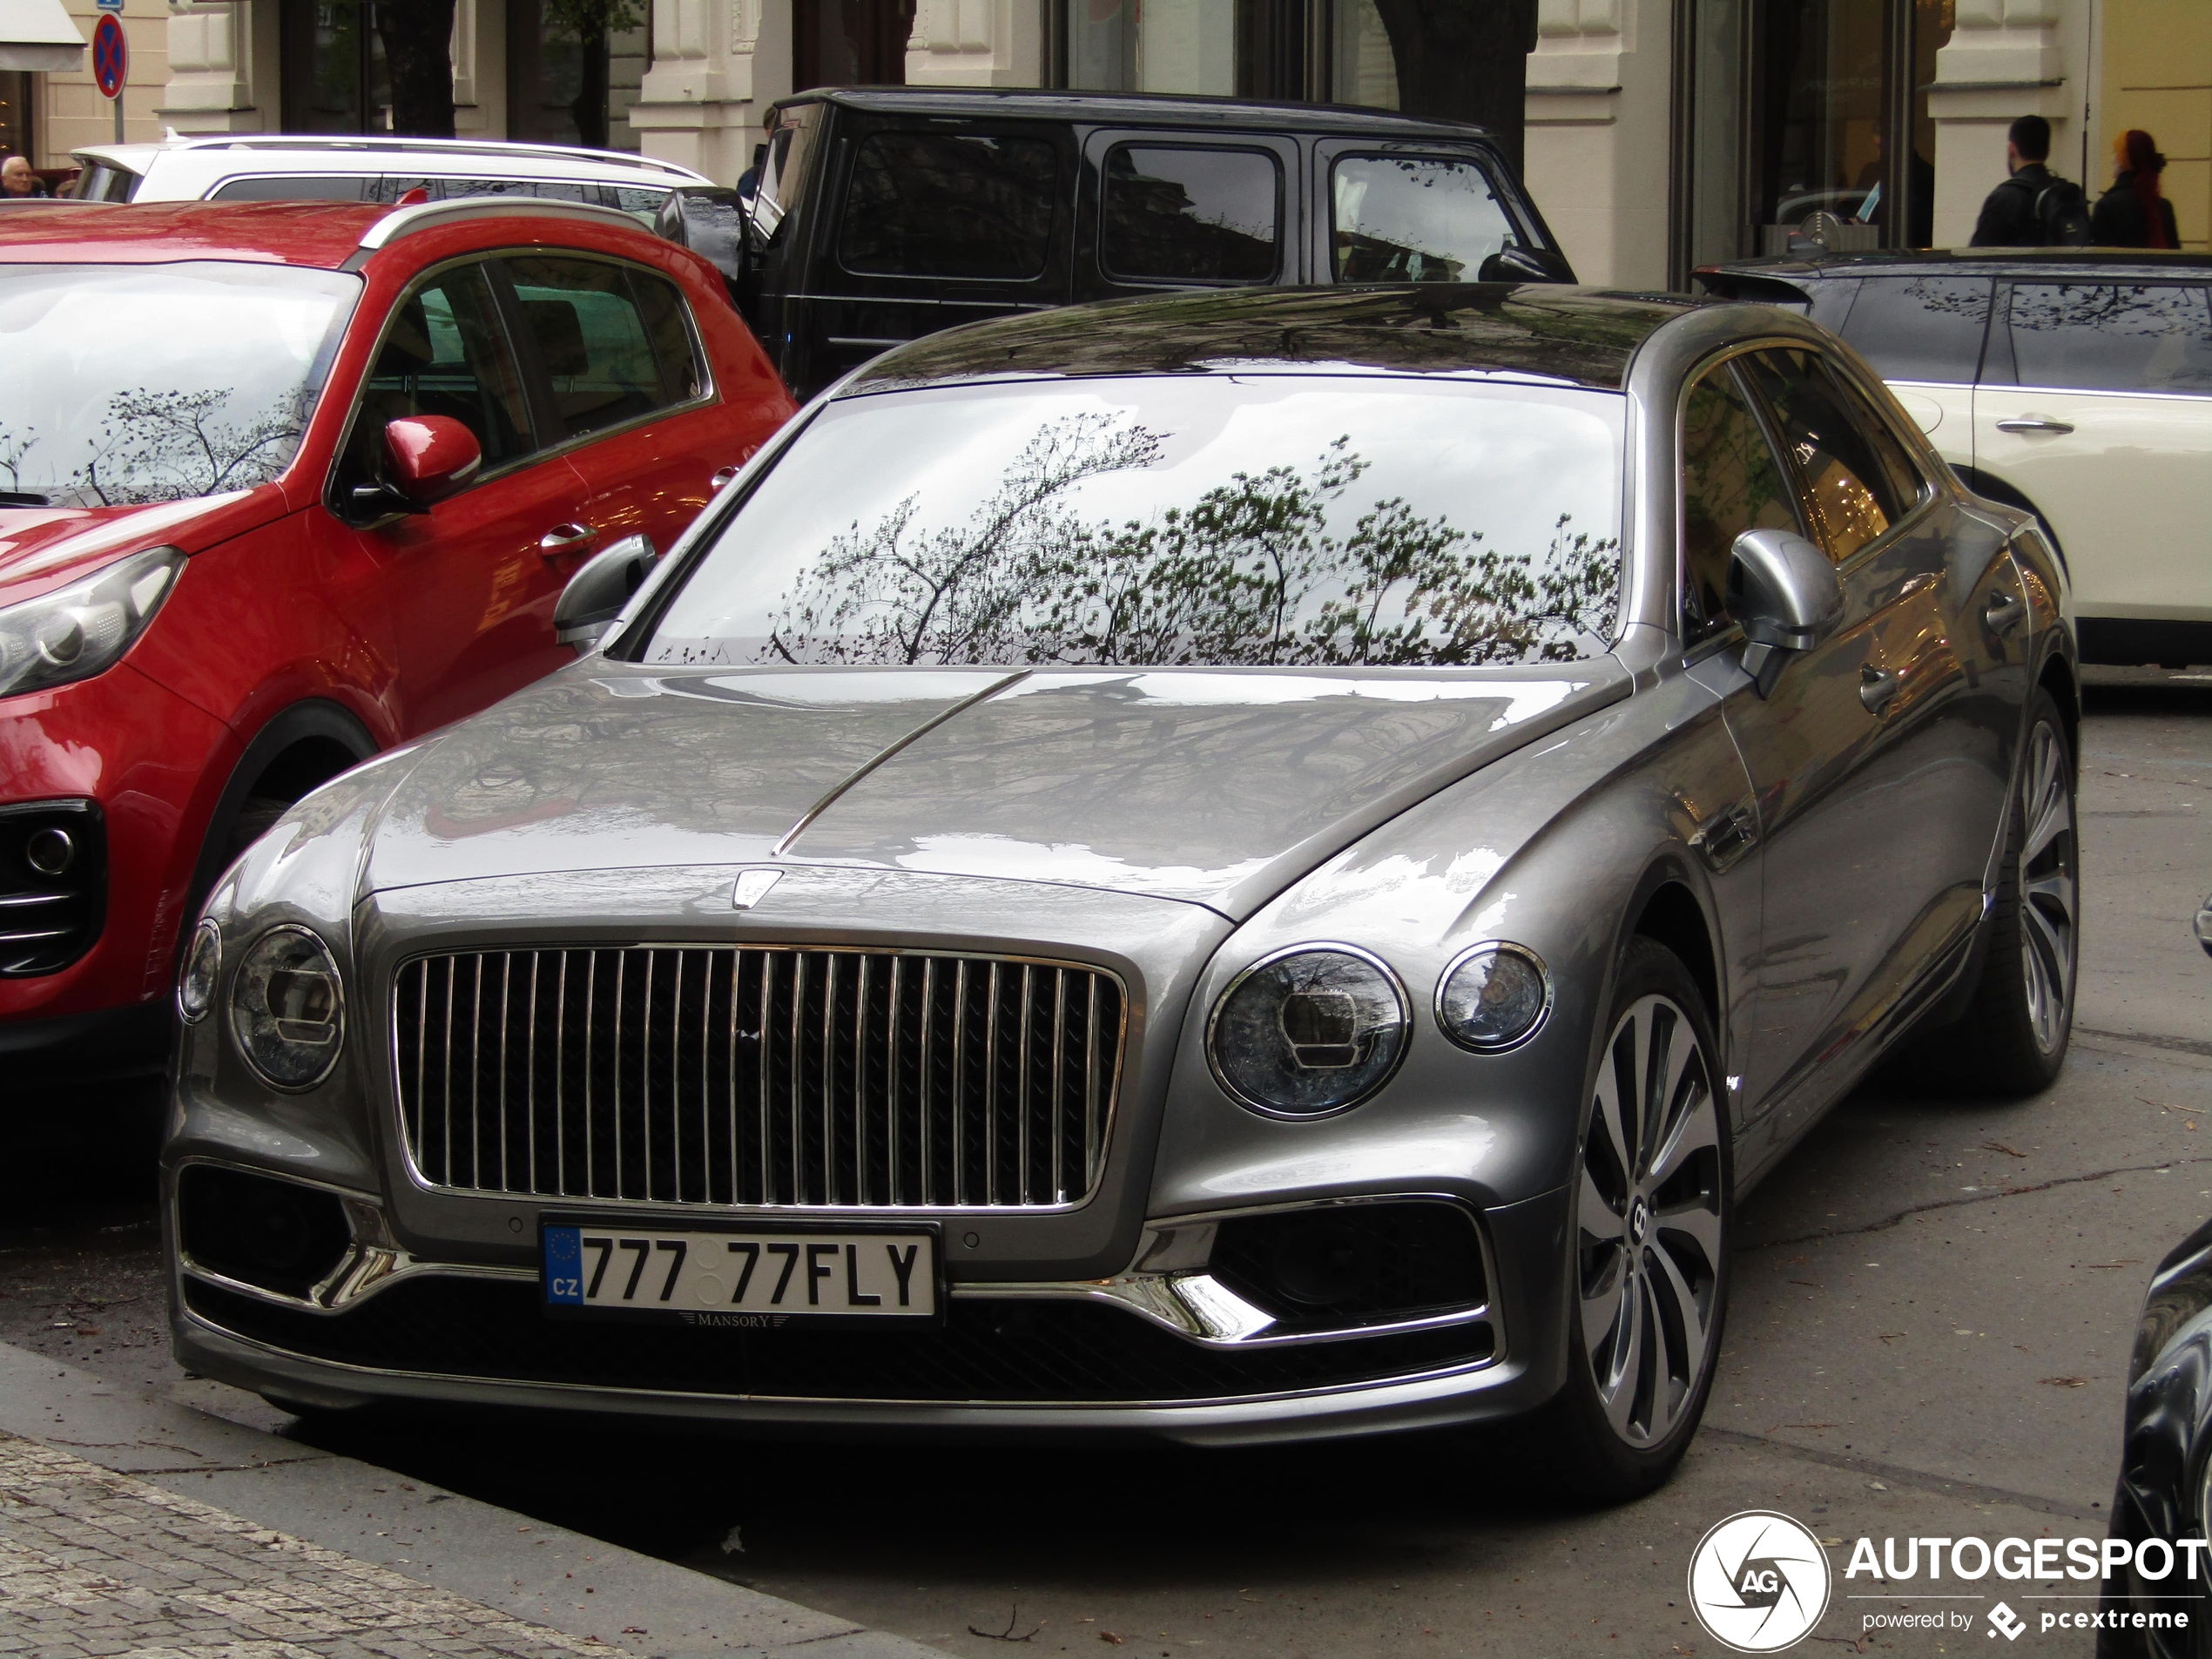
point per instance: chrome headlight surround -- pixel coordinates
(196, 979)
(288, 1008)
(78, 631)
(1462, 999)
(1353, 1001)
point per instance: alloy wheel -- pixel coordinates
(1649, 1215)
(2047, 889)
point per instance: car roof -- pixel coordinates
(1970, 261)
(1134, 109)
(1540, 331)
(207, 160)
(324, 235)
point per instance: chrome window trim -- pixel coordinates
(396, 1123)
(2093, 391)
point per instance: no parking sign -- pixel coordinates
(111, 62)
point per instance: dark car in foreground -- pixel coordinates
(885, 213)
(282, 484)
(2075, 383)
(1213, 868)
(2165, 1490)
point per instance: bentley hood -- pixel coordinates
(1211, 786)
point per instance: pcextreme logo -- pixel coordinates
(1758, 1581)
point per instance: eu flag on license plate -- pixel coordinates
(564, 1265)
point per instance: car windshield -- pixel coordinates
(1216, 519)
(123, 384)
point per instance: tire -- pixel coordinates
(255, 814)
(1647, 1267)
(2013, 1038)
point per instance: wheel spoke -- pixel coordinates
(1621, 1368)
(1698, 1223)
(1601, 1308)
(1596, 1213)
(1669, 1284)
(1669, 1104)
(1695, 1131)
(1606, 1114)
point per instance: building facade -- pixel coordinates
(1660, 133)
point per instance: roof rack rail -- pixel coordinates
(371, 142)
(426, 216)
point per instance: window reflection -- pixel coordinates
(1849, 498)
(1415, 219)
(1292, 520)
(1731, 482)
(2111, 337)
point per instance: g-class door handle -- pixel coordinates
(722, 477)
(2004, 611)
(1876, 687)
(2034, 423)
(565, 538)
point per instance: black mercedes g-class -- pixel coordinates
(876, 215)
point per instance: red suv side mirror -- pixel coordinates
(429, 457)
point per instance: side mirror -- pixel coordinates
(710, 221)
(428, 457)
(1784, 592)
(601, 587)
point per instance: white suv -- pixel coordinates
(375, 168)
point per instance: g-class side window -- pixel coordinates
(1185, 214)
(1413, 219)
(949, 204)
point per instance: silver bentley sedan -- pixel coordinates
(1237, 868)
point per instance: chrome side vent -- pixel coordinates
(758, 1076)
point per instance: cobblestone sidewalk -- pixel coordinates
(94, 1563)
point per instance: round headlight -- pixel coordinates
(196, 985)
(288, 1012)
(1493, 997)
(1308, 1032)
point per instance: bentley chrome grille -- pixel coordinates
(726, 1075)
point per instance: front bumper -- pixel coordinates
(1032, 1358)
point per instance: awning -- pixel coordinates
(37, 34)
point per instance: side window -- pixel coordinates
(1732, 481)
(600, 342)
(1413, 219)
(298, 187)
(1921, 328)
(444, 353)
(446, 190)
(1907, 482)
(1848, 497)
(949, 204)
(1191, 215)
(2111, 337)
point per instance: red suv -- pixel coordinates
(282, 484)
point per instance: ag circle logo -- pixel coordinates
(1758, 1581)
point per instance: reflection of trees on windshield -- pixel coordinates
(156, 446)
(1248, 574)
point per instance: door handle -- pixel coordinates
(722, 477)
(1876, 687)
(566, 538)
(2034, 423)
(2004, 611)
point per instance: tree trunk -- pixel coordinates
(590, 110)
(418, 55)
(1464, 60)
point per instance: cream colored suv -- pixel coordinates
(2074, 382)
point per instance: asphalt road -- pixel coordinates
(1933, 1307)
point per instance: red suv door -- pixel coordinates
(629, 389)
(472, 582)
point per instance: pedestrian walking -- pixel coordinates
(2134, 213)
(16, 178)
(2035, 207)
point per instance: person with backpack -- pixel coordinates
(2134, 212)
(2035, 207)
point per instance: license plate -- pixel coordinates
(739, 1279)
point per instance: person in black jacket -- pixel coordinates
(2134, 212)
(2035, 207)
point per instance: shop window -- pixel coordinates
(2111, 337)
(1921, 329)
(1363, 69)
(850, 42)
(15, 113)
(1190, 215)
(1413, 219)
(334, 76)
(564, 87)
(949, 204)
(596, 344)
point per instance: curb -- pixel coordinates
(526, 1570)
